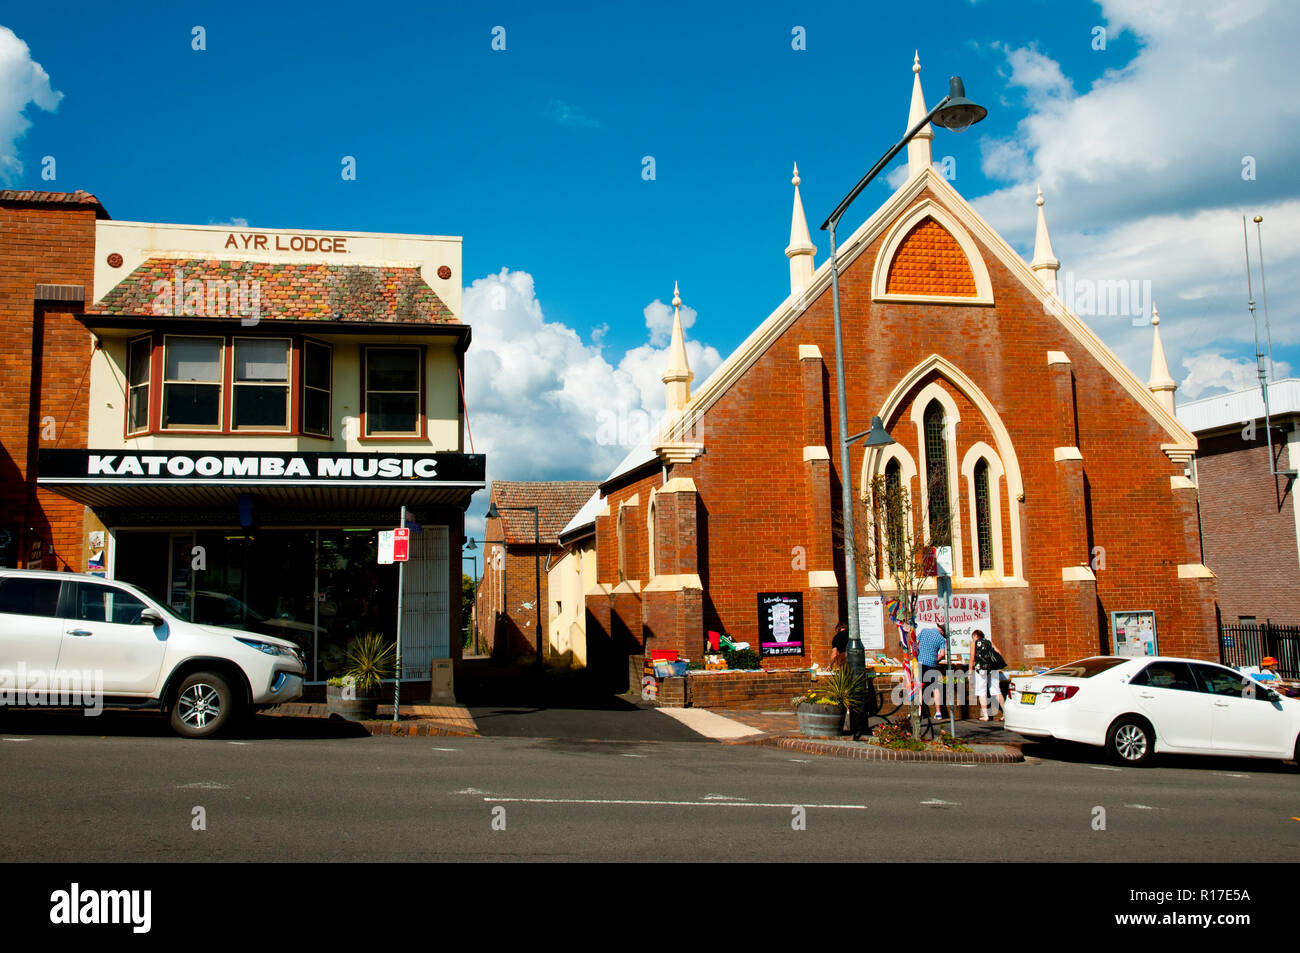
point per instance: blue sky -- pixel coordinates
(535, 154)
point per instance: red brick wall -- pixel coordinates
(1248, 522)
(754, 485)
(747, 691)
(44, 360)
(506, 627)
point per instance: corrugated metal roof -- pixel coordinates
(1227, 410)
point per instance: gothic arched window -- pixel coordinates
(983, 519)
(936, 475)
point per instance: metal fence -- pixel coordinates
(1247, 644)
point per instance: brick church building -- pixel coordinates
(1067, 478)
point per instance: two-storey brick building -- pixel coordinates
(237, 413)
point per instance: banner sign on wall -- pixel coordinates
(966, 613)
(780, 623)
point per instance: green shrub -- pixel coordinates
(741, 658)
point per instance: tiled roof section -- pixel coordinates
(33, 197)
(930, 262)
(556, 504)
(287, 290)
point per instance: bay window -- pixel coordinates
(192, 381)
(317, 374)
(138, 359)
(394, 395)
(261, 384)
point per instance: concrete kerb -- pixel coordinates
(999, 754)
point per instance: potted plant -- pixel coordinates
(354, 693)
(821, 710)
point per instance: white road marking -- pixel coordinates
(1099, 767)
(723, 797)
(710, 724)
(935, 802)
(633, 755)
(238, 742)
(211, 785)
(446, 749)
(470, 791)
(800, 760)
(1142, 807)
(1222, 775)
(18, 739)
(570, 800)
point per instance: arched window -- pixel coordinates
(622, 545)
(983, 521)
(650, 534)
(936, 475)
(895, 537)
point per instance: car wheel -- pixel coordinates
(1131, 741)
(204, 705)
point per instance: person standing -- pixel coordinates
(988, 678)
(839, 647)
(930, 651)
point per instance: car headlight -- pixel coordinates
(269, 648)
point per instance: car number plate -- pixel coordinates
(1028, 698)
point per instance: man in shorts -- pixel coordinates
(930, 651)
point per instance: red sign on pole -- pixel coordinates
(401, 545)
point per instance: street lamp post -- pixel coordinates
(494, 512)
(472, 546)
(954, 112)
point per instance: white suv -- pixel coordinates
(119, 647)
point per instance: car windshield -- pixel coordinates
(1085, 668)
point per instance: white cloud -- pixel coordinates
(659, 319)
(1143, 173)
(22, 81)
(544, 405)
(1210, 372)
(233, 223)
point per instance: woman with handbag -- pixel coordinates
(985, 664)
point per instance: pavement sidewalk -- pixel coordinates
(418, 720)
(991, 742)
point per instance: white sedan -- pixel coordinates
(1137, 707)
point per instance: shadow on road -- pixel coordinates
(1070, 753)
(147, 724)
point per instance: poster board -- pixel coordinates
(966, 613)
(1133, 632)
(780, 624)
(871, 623)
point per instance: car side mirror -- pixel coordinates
(1271, 696)
(151, 616)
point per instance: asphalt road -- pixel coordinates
(123, 789)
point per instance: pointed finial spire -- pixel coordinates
(677, 375)
(918, 150)
(801, 250)
(1161, 384)
(1045, 264)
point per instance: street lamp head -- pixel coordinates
(960, 113)
(879, 436)
(471, 545)
(492, 513)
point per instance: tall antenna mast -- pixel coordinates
(1259, 355)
